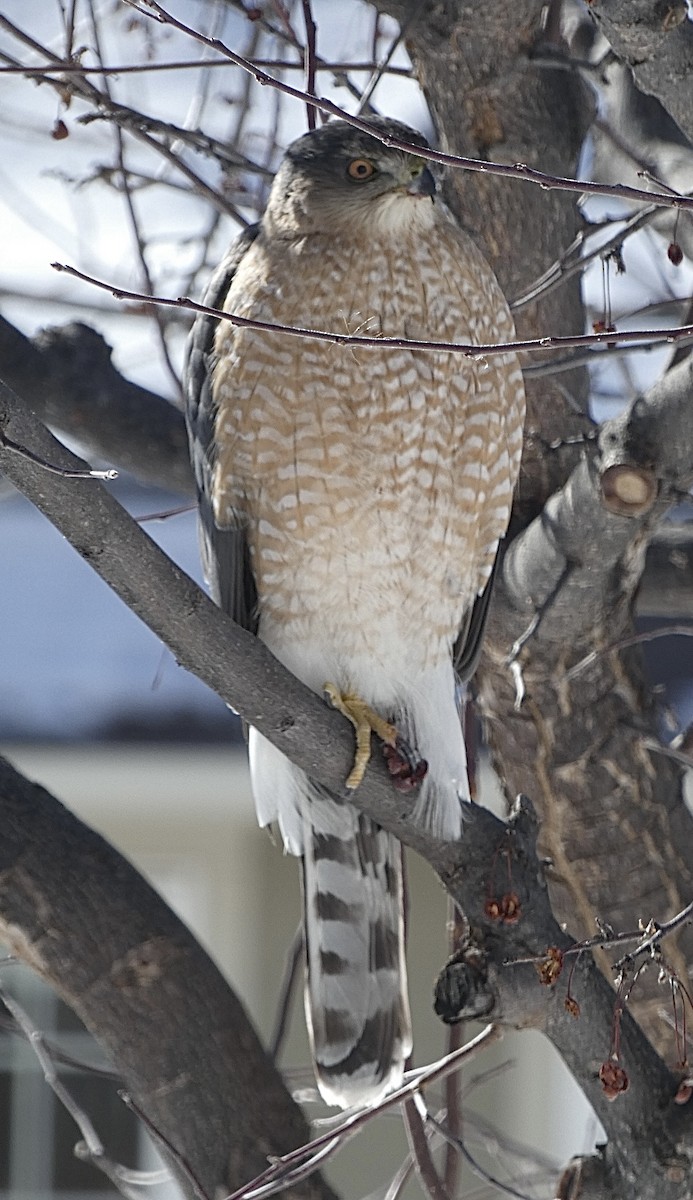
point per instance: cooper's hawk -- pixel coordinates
(351, 504)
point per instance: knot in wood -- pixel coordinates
(627, 490)
(462, 991)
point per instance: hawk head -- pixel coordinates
(339, 179)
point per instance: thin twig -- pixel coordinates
(75, 68)
(513, 171)
(475, 1166)
(453, 1115)
(273, 1178)
(668, 752)
(164, 514)
(289, 978)
(135, 229)
(384, 62)
(573, 263)
(309, 59)
(647, 939)
(91, 1148)
(658, 933)
(14, 448)
(400, 1179)
(468, 349)
(584, 358)
(429, 1179)
(9, 1025)
(158, 1137)
(635, 639)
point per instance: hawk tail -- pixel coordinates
(356, 1000)
(356, 982)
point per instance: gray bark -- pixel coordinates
(75, 388)
(649, 1135)
(81, 917)
(655, 39)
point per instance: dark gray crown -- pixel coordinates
(338, 140)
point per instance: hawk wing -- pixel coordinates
(467, 648)
(224, 552)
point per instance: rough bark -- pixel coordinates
(655, 38)
(81, 917)
(75, 388)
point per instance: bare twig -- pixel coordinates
(453, 1115)
(476, 1167)
(430, 1181)
(91, 1148)
(512, 171)
(309, 58)
(293, 959)
(635, 639)
(384, 62)
(667, 752)
(572, 262)
(59, 1056)
(75, 68)
(312, 1155)
(655, 937)
(136, 231)
(158, 1137)
(7, 444)
(400, 1179)
(647, 940)
(528, 346)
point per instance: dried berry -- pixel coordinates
(572, 1006)
(510, 908)
(613, 1078)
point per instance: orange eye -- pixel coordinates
(360, 169)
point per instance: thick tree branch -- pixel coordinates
(578, 558)
(656, 41)
(79, 915)
(613, 821)
(75, 388)
(320, 741)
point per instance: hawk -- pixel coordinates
(351, 504)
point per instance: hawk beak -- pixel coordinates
(422, 185)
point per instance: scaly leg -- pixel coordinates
(365, 722)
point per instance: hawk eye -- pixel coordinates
(360, 169)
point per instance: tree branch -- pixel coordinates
(75, 388)
(80, 916)
(319, 740)
(577, 544)
(656, 41)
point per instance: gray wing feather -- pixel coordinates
(224, 552)
(467, 648)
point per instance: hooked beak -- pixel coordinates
(422, 185)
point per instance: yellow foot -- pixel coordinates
(365, 722)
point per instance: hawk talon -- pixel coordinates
(365, 721)
(405, 767)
